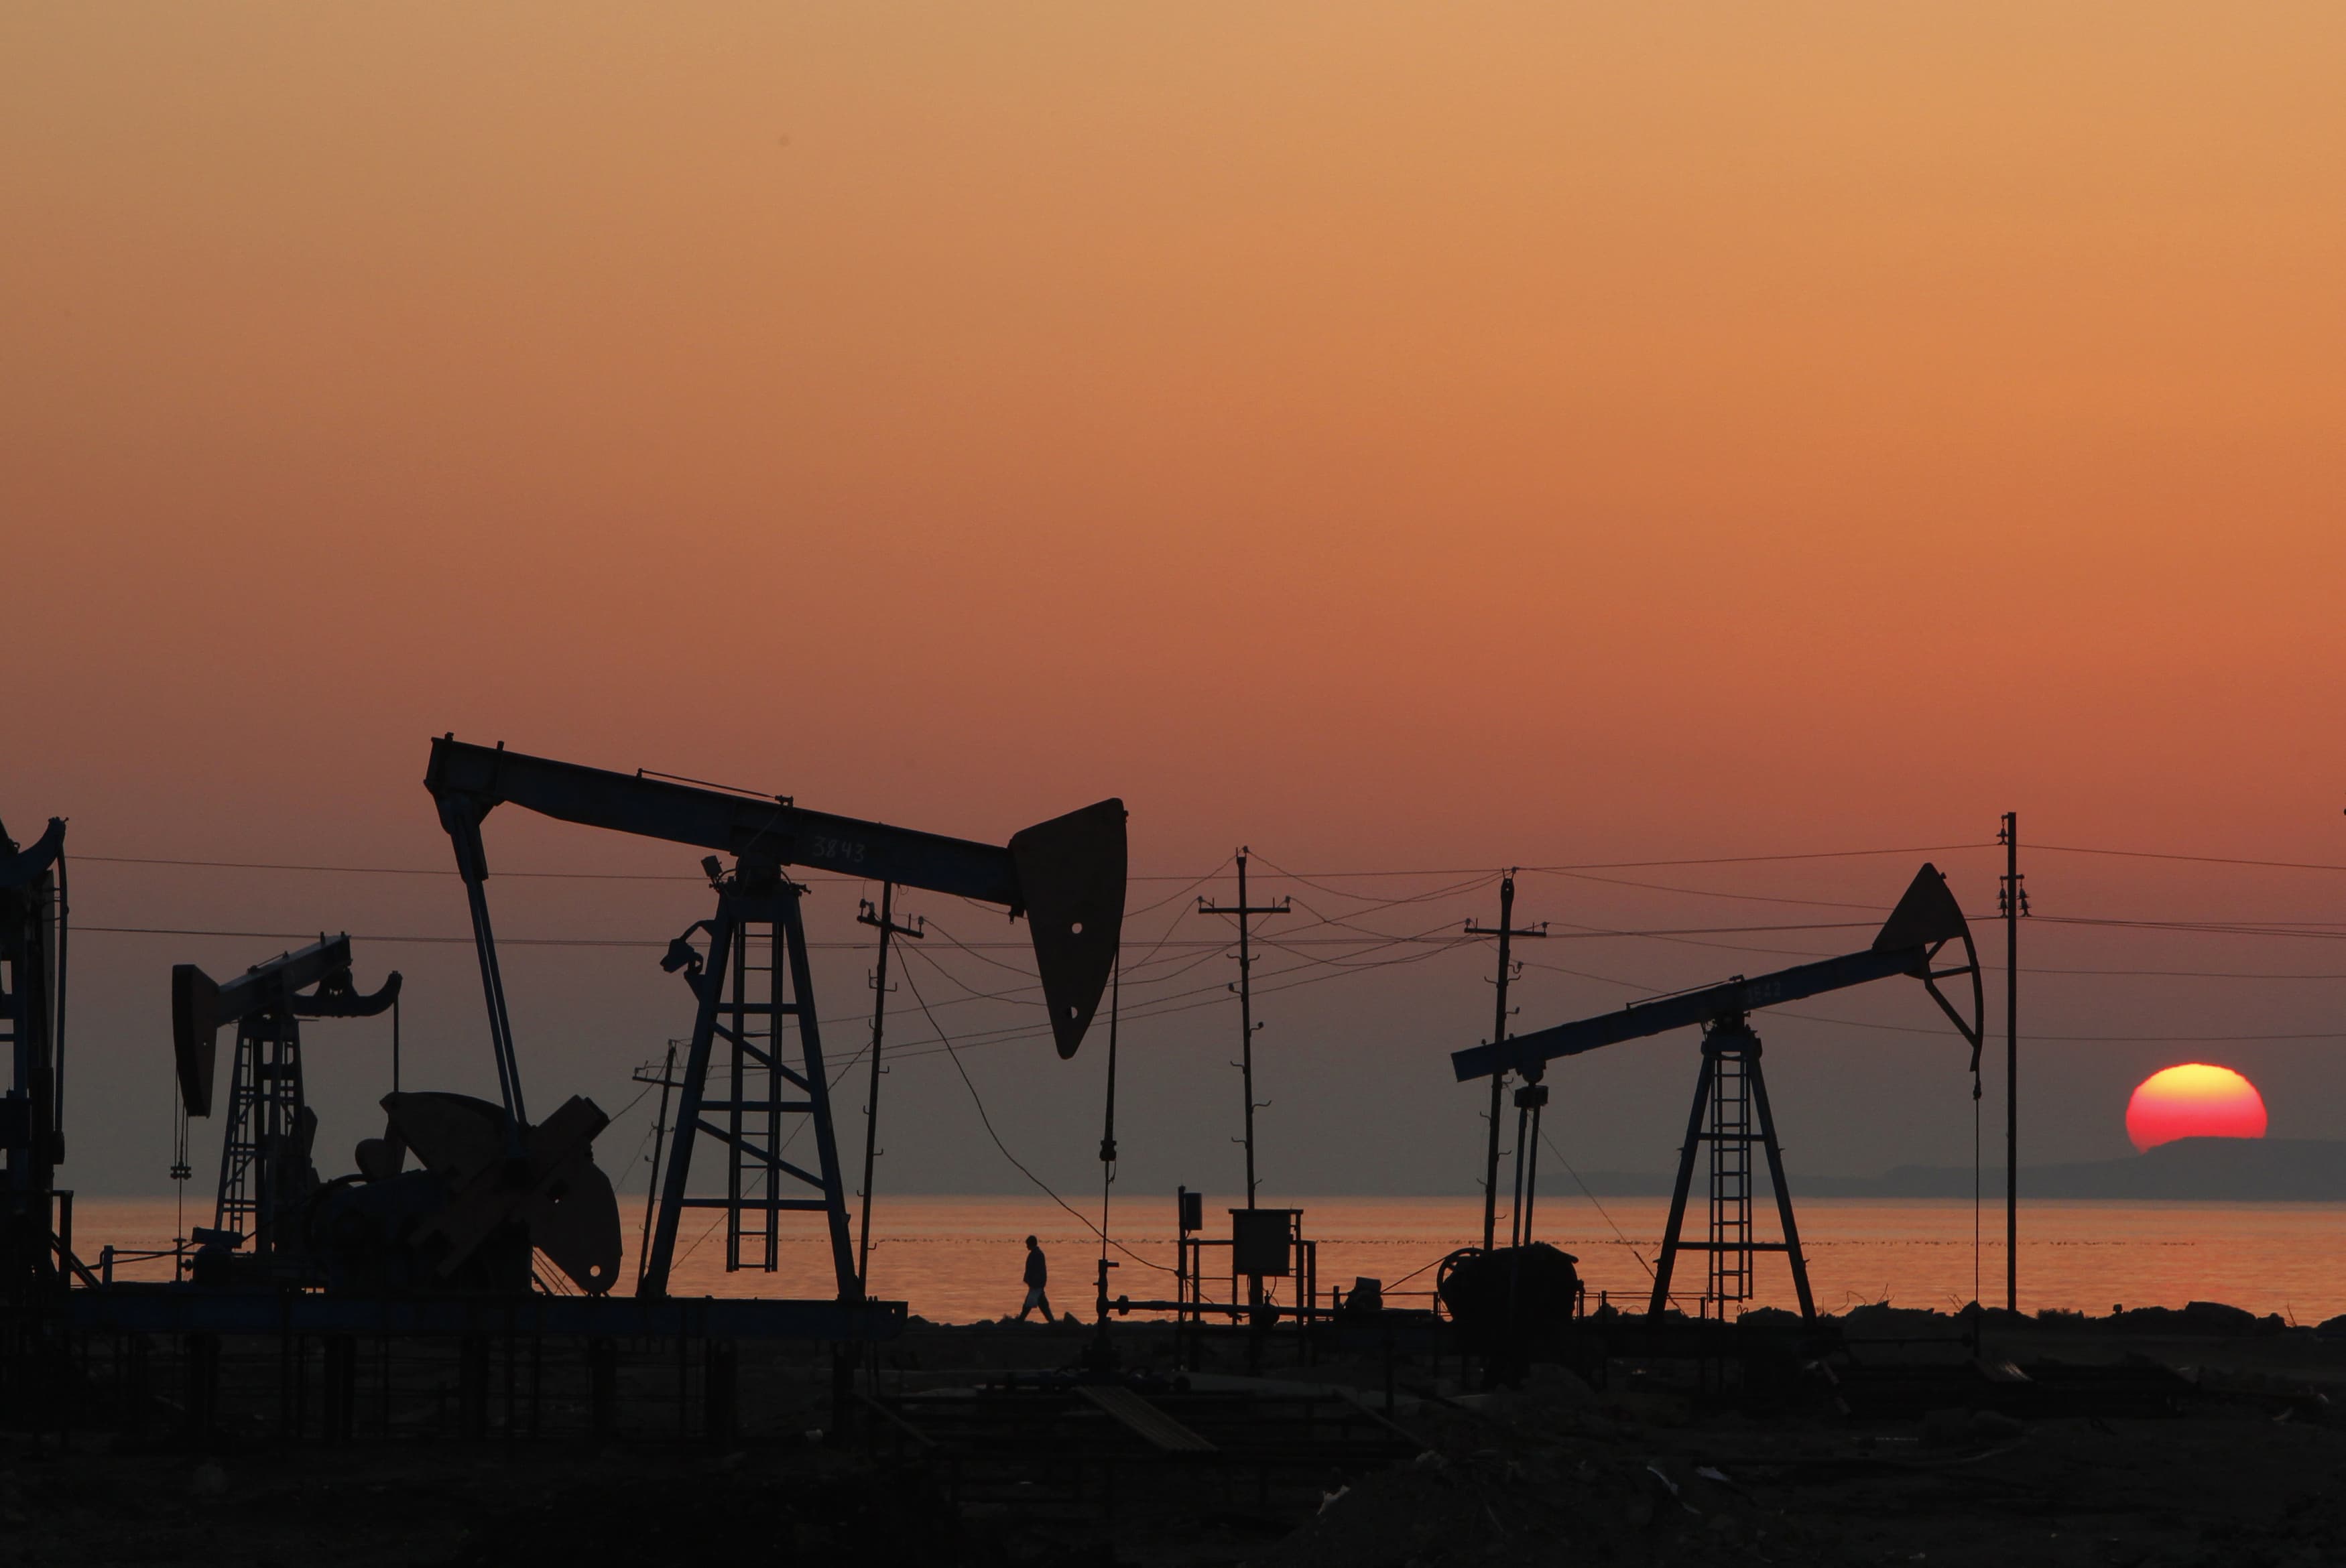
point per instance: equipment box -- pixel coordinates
(1262, 1241)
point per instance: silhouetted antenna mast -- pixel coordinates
(1245, 912)
(885, 919)
(2012, 902)
(1505, 931)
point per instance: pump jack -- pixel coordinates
(1065, 875)
(32, 997)
(1729, 1088)
(265, 1158)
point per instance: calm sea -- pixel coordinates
(958, 1259)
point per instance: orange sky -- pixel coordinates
(1400, 436)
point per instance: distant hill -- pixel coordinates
(2248, 1170)
(2239, 1170)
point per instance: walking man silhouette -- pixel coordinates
(1038, 1273)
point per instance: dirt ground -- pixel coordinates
(1645, 1469)
(1551, 1475)
(416, 1504)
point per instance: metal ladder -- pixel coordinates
(765, 1087)
(264, 1109)
(1730, 1182)
(1728, 1113)
(753, 1111)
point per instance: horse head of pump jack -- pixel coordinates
(1927, 919)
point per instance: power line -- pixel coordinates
(2072, 1039)
(1012, 1033)
(2324, 974)
(1620, 1234)
(1563, 868)
(1751, 860)
(210, 864)
(1365, 942)
(2193, 973)
(2197, 859)
(588, 941)
(384, 936)
(1931, 1030)
(1473, 879)
(1599, 931)
(1430, 945)
(394, 871)
(2327, 931)
(1711, 893)
(1366, 938)
(1207, 946)
(1178, 893)
(1205, 949)
(979, 1101)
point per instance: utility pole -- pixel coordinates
(885, 921)
(1103, 1357)
(1506, 932)
(1245, 912)
(1108, 1120)
(667, 1080)
(2012, 902)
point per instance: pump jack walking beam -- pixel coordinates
(1065, 875)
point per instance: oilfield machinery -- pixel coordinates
(1502, 1294)
(496, 1190)
(451, 1244)
(445, 1226)
(268, 1174)
(1065, 876)
(32, 934)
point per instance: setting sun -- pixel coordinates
(2194, 1100)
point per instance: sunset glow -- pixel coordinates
(2194, 1100)
(1397, 441)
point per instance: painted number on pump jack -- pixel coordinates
(835, 851)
